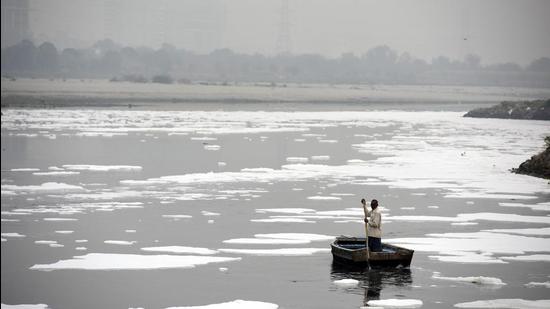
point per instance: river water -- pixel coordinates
(236, 206)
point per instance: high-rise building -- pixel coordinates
(15, 21)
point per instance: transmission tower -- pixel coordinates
(284, 45)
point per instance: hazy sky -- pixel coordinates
(497, 30)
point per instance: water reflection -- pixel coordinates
(372, 281)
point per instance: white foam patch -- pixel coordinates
(282, 220)
(101, 168)
(481, 280)
(209, 213)
(176, 217)
(212, 147)
(324, 198)
(266, 241)
(25, 169)
(285, 210)
(64, 232)
(203, 138)
(277, 252)
(501, 217)
(60, 219)
(506, 303)
(529, 258)
(181, 249)
(296, 236)
(45, 242)
(395, 303)
(545, 206)
(54, 173)
(236, 304)
(47, 187)
(544, 231)
(479, 247)
(105, 195)
(538, 284)
(13, 235)
(297, 160)
(346, 283)
(320, 158)
(25, 306)
(120, 242)
(100, 134)
(112, 261)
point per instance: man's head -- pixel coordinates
(363, 201)
(374, 204)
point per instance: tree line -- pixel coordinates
(379, 65)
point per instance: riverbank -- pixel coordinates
(530, 110)
(43, 93)
(538, 165)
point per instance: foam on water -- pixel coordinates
(396, 303)
(296, 236)
(25, 169)
(285, 210)
(120, 242)
(181, 249)
(54, 173)
(529, 258)
(282, 220)
(478, 247)
(266, 241)
(324, 198)
(544, 206)
(113, 261)
(101, 168)
(297, 160)
(544, 231)
(346, 283)
(277, 252)
(481, 280)
(538, 284)
(25, 306)
(469, 163)
(467, 217)
(13, 235)
(47, 187)
(513, 303)
(236, 304)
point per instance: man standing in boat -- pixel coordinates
(374, 223)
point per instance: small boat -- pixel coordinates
(352, 251)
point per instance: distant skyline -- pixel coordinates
(496, 30)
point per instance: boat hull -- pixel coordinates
(352, 251)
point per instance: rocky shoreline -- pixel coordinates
(538, 165)
(532, 110)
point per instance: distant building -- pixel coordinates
(15, 21)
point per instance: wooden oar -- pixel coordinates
(366, 230)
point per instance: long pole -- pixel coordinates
(366, 231)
